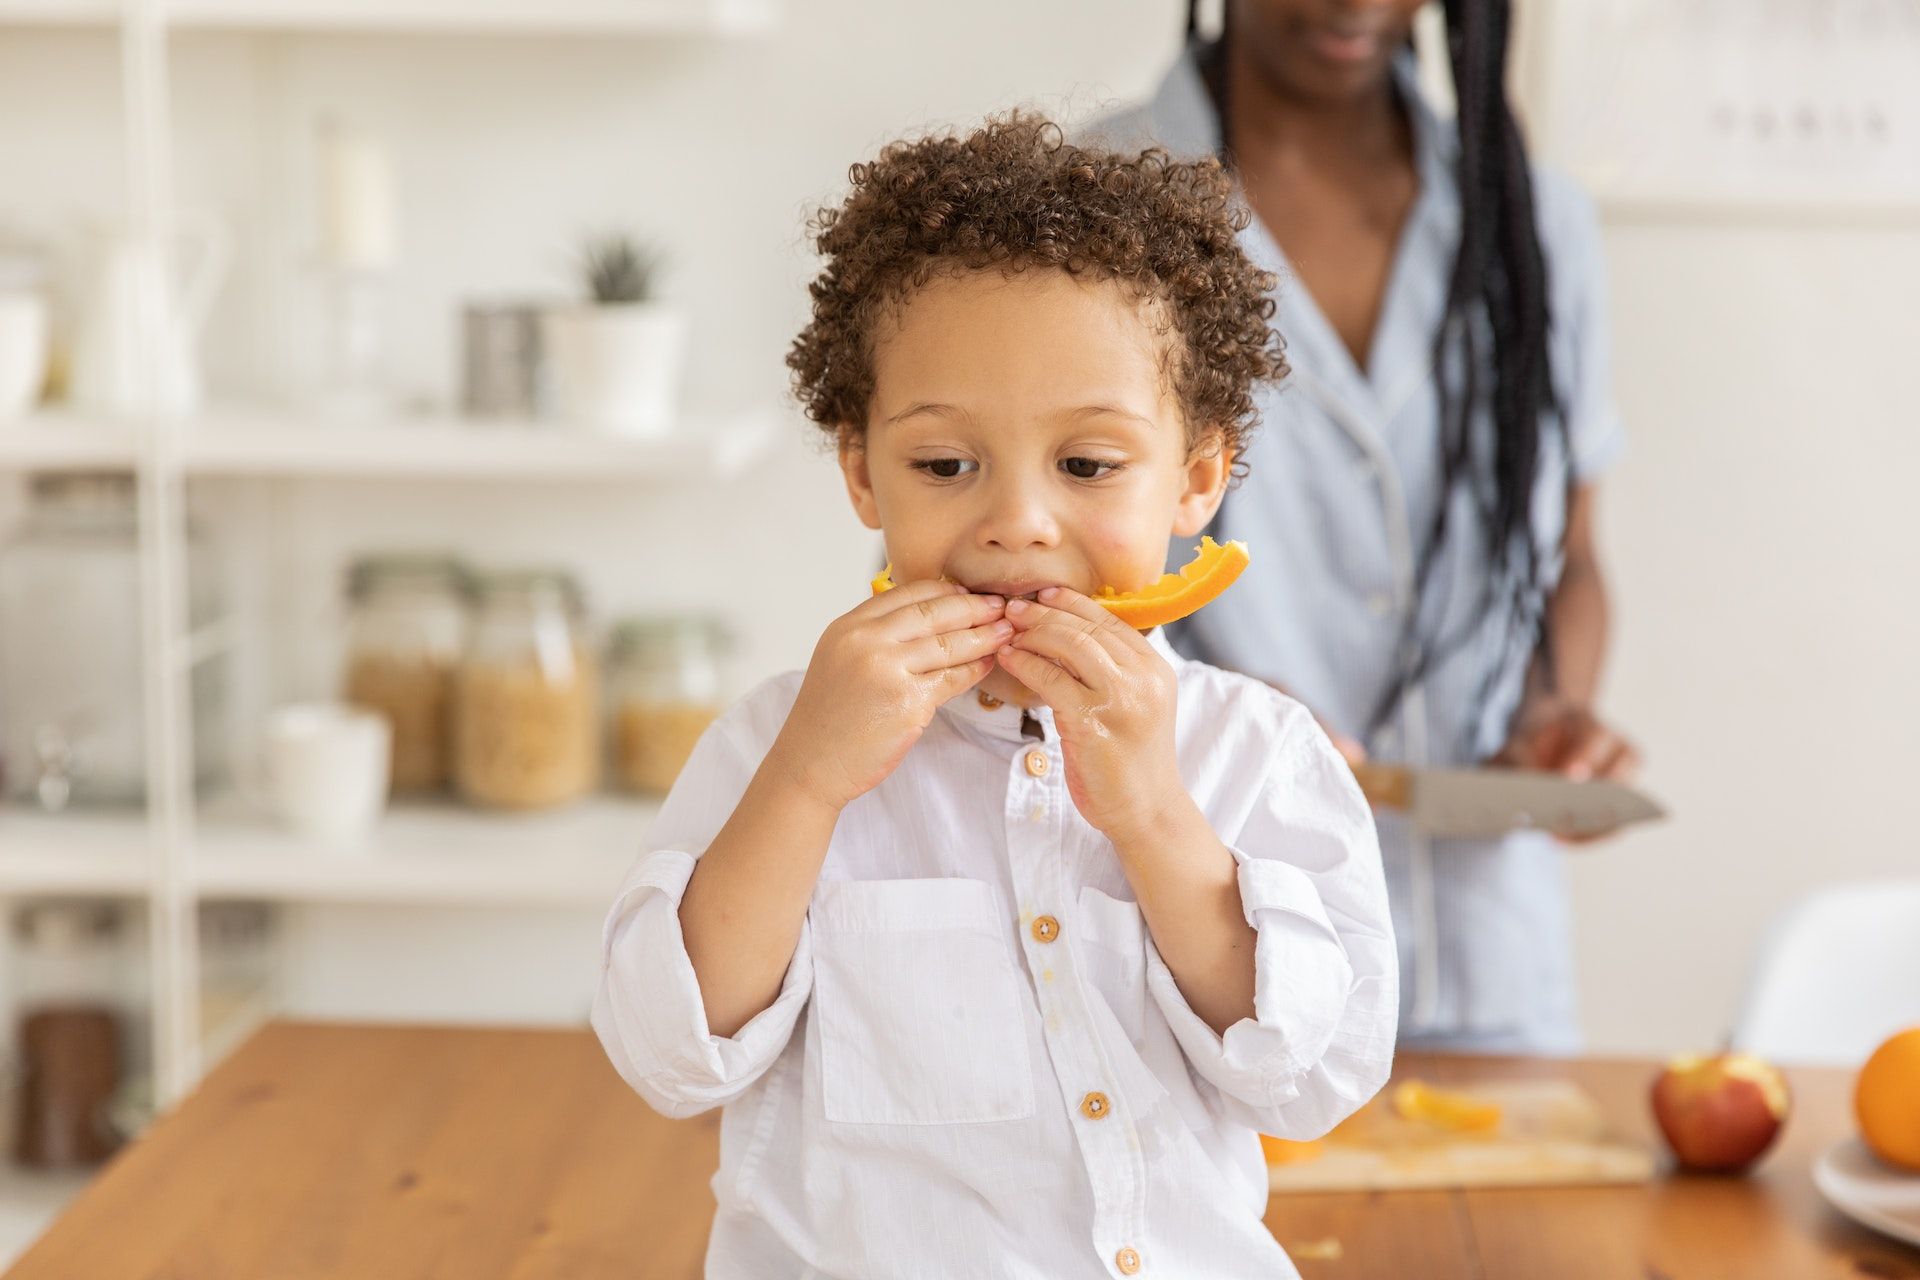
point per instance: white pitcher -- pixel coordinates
(131, 298)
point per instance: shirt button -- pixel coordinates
(1128, 1261)
(1037, 763)
(1095, 1106)
(988, 701)
(1380, 604)
(1046, 929)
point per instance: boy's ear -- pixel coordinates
(1208, 468)
(853, 468)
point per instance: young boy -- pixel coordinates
(1001, 930)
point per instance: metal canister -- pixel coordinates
(501, 361)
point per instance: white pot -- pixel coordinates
(23, 352)
(615, 367)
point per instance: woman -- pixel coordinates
(1422, 516)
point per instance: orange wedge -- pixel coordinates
(1212, 570)
(1417, 1100)
(1285, 1151)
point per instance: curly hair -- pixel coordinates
(1014, 195)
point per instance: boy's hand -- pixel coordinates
(876, 677)
(1113, 703)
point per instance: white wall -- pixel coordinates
(1760, 544)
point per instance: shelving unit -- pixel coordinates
(180, 850)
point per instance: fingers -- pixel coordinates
(1349, 748)
(1056, 687)
(949, 682)
(905, 596)
(944, 649)
(938, 612)
(1073, 646)
(1103, 625)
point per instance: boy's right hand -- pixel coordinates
(877, 676)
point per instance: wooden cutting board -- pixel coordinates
(1550, 1133)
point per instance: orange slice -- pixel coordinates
(1417, 1100)
(1212, 570)
(1286, 1151)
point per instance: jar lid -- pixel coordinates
(416, 568)
(643, 634)
(529, 582)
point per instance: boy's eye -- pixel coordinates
(943, 468)
(1088, 468)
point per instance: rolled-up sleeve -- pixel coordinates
(1326, 974)
(647, 1009)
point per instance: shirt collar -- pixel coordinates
(1002, 719)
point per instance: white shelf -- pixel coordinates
(440, 854)
(238, 441)
(267, 442)
(102, 853)
(57, 440)
(525, 17)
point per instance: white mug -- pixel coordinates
(23, 352)
(325, 768)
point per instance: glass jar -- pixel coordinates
(664, 679)
(526, 725)
(406, 632)
(68, 984)
(72, 699)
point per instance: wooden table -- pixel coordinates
(393, 1152)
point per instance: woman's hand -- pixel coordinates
(876, 677)
(1561, 736)
(1113, 700)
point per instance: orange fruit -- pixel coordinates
(1417, 1100)
(1285, 1151)
(1886, 1100)
(1212, 570)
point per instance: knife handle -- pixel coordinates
(1386, 786)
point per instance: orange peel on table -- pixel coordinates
(1418, 1100)
(1199, 582)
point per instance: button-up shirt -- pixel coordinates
(978, 1064)
(1342, 486)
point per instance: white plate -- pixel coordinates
(1872, 1193)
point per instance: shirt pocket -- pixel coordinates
(918, 1004)
(1115, 956)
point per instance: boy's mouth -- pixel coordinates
(1028, 590)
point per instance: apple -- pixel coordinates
(1719, 1112)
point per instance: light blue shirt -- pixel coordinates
(1344, 475)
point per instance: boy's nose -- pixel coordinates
(1018, 518)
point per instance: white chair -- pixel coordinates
(1838, 973)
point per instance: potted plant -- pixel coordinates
(614, 363)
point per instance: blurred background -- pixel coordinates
(356, 351)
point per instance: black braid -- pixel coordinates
(1496, 307)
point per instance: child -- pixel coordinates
(1001, 930)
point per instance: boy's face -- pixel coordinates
(1023, 434)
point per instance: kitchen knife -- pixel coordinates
(1492, 802)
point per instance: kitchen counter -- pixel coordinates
(350, 1150)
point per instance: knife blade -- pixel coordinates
(1492, 802)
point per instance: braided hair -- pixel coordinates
(1495, 317)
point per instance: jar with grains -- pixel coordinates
(526, 704)
(665, 683)
(406, 633)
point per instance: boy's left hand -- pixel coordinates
(1113, 702)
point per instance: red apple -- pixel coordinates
(1719, 1113)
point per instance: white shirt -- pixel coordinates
(978, 1064)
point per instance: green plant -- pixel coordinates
(618, 268)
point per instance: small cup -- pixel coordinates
(325, 768)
